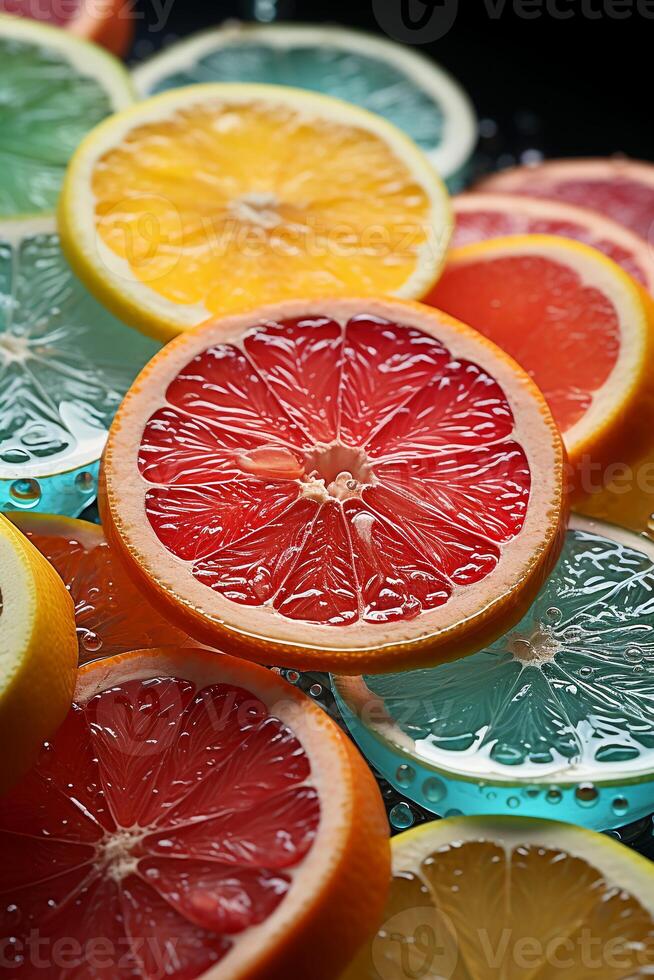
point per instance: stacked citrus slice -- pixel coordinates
(379, 75)
(38, 652)
(217, 198)
(510, 898)
(54, 89)
(619, 188)
(352, 484)
(110, 24)
(555, 719)
(579, 325)
(110, 614)
(193, 813)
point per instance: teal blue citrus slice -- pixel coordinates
(556, 719)
(379, 75)
(65, 364)
(54, 88)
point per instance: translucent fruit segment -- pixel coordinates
(554, 348)
(146, 828)
(335, 473)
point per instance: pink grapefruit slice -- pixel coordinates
(621, 189)
(107, 22)
(481, 216)
(193, 816)
(349, 485)
(111, 615)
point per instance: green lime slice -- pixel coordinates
(54, 88)
(379, 75)
(555, 719)
(65, 364)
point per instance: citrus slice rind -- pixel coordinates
(371, 216)
(111, 616)
(575, 301)
(552, 720)
(55, 87)
(622, 189)
(65, 363)
(194, 797)
(480, 216)
(271, 481)
(409, 90)
(510, 897)
(38, 652)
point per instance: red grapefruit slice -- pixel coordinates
(107, 22)
(577, 323)
(194, 815)
(620, 189)
(347, 484)
(110, 614)
(482, 216)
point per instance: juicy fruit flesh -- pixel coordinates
(47, 107)
(326, 208)
(628, 201)
(567, 690)
(335, 473)
(163, 820)
(111, 615)
(565, 334)
(478, 226)
(480, 909)
(59, 12)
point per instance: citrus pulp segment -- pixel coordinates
(479, 216)
(193, 816)
(54, 89)
(340, 483)
(578, 324)
(65, 363)
(38, 652)
(217, 198)
(110, 24)
(507, 898)
(555, 719)
(621, 189)
(110, 614)
(406, 88)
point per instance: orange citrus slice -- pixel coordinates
(214, 199)
(194, 815)
(347, 484)
(507, 898)
(109, 22)
(38, 652)
(579, 325)
(110, 613)
(621, 189)
(481, 216)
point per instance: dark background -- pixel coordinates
(573, 87)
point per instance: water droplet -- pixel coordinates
(491, 795)
(586, 671)
(85, 482)
(554, 615)
(15, 456)
(507, 755)
(292, 676)
(513, 802)
(25, 493)
(620, 805)
(554, 796)
(315, 690)
(531, 792)
(453, 813)
(401, 816)
(586, 795)
(434, 790)
(634, 654)
(91, 642)
(573, 634)
(351, 484)
(405, 775)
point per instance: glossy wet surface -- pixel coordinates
(337, 474)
